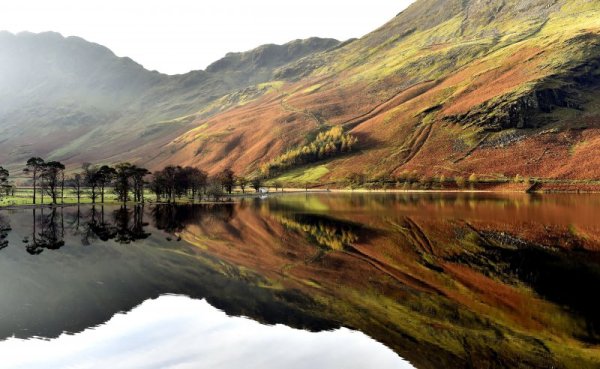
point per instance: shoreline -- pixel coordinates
(293, 191)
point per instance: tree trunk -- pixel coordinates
(34, 185)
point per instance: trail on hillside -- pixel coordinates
(413, 146)
(292, 109)
(387, 105)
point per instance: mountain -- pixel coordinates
(72, 100)
(446, 88)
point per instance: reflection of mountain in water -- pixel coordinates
(84, 287)
(446, 281)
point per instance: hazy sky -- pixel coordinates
(176, 36)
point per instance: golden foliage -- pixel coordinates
(325, 145)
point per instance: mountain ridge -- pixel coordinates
(81, 95)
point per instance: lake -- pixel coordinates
(305, 281)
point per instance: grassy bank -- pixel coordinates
(23, 197)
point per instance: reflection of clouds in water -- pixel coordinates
(178, 332)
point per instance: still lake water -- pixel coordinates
(305, 281)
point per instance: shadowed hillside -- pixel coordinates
(76, 101)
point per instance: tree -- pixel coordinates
(215, 189)
(52, 175)
(472, 180)
(227, 180)
(257, 184)
(356, 180)
(4, 185)
(157, 185)
(34, 166)
(123, 175)
(242, 182)
(137, 175)
(442, 180)
(164, 183)
(198, 181)
(104, 177)
(91, 179)
(182, 181)
(129, 178)
(76, 184)
(277, 185)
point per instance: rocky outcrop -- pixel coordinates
(510, 111)
(526, 109)
(270, 56)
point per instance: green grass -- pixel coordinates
(304, 175)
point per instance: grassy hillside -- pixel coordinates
(446, 88)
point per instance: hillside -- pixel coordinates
(444, 89)
(72, 100)
(495, 88)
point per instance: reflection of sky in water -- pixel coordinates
(178, 332)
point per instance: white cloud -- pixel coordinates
(176, 36)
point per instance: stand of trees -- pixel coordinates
(176, 182)
(129, 182)
(49, 175)
(325, 145)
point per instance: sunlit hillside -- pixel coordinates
(446, 89)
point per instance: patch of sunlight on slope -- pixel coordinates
(304, 175)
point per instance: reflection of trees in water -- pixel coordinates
(4, 229)
(95, 226)
(129, 224)
(175, 218)
(124, 225)
(324, 231)
(48, 231)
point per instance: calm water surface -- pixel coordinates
(297, 281)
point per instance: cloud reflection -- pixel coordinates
(179, 332)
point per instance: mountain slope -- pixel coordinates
(68, 99)
(451, 88)
(445, 88)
